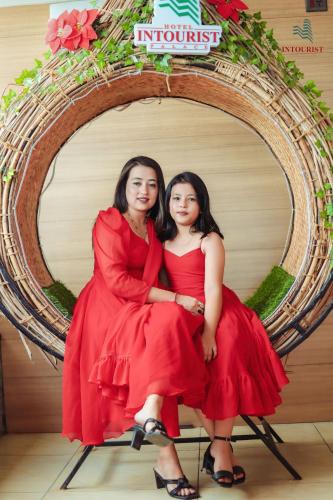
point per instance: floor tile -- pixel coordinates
(107, 495)
(326, 431)
(31, 474)
(302, 433)
(36, 444)
(218, 493)
(291, 490)
(20, 496)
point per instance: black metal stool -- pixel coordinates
(267, 437)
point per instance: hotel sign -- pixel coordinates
(177, 29)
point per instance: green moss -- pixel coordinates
(61, 297)
(271, 292)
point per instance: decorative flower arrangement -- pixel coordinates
(72, 30)
(229, 8)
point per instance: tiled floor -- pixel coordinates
(33, 466)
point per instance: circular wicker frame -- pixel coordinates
(33, 133)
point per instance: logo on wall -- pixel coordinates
(305, 32)
(176, 29)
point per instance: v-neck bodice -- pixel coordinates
(186, 273)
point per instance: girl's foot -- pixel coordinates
(239, 472)
(222, 454)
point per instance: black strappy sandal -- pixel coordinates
(238, 469)
(181, 482)
(208, 467)
(156, 435)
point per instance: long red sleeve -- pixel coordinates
(110, 246)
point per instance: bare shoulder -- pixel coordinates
(212, 243)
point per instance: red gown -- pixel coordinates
(120, 349)
(247, 374)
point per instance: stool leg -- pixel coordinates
(76, 467)
(269, 430)
(271, 446)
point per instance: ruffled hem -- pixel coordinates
(246, 393)
(111, 375)
(107, 434)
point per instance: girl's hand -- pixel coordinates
(190, 304)
(209, 346)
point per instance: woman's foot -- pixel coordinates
(150, 424)
(151, 409)
(168, 467)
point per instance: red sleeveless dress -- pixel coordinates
(119, 349)
(247, 374)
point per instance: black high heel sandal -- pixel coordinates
(156, 435)
(238, 469)
(208, 467)
(181, 482)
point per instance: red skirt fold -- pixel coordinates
(161, 355)
(247, 375)
(112, 365)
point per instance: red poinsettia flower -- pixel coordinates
(71, 30)
(229, 8)
(83, 25)
(58, 31)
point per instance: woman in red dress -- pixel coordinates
(245, 373)
(133, 350)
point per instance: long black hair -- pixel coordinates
(205, 222)
(120, 201)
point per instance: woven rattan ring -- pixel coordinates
(34, 129)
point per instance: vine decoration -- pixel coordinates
(96, 53)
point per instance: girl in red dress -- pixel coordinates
(133, 350)
(245, 373)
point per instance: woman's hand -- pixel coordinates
(209, 346)
(190, 304)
